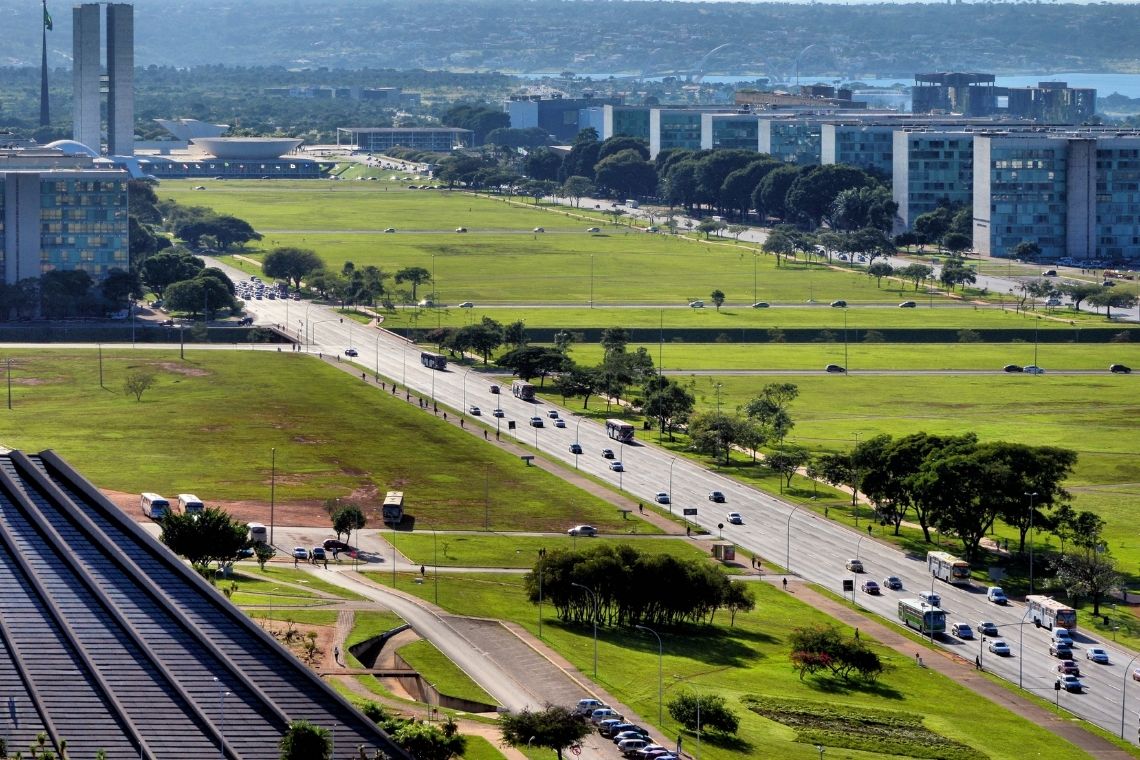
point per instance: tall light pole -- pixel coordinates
(222, 694)
(855, 487)
(594, 599)
(591, 280)
(272, 489)
(846, 369)
(660, 691)
(463, 409)
(1123, 693)
(435, 565)
(671, 463)
(541, 564)
(788, 548)
(577, 440)
(1021, 647)
(1031, 496)
(376, 354)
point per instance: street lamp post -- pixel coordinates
(1020, 648)
(376, 355)
(857, 545)
(621, 452)
(594, 599)
(845, 361)
(1123, 693)
(463, 382)
(222, 694)
(788, 547)
(671, 463)
(1031, 496)
(577, 440)
(435, 565)
(272, 489)
(659, 687)
(541, 563)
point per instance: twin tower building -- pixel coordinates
(89, 82)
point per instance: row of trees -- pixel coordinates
(630, 587)
(351, 285)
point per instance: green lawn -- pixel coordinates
(209, 423)
(750, 658)
(442, 673)
(478, 550)
(367, 625)
(479, 748)
(276, 571)
(304, 617)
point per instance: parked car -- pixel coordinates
(1011, 368)
(1033, 369)
(607, 453)
(603, 713)
(1049, 273)
(834, 368)
(1097, 655)
(300, 552)
(1068, 667)
(716, 497)
(583, 530)
(617, 466)
(335, 545)
(604, 724)
(986, 628)
(629, 733)
(907, 305)
(587, 706)
(1120, 369)
(999, 647)
(735, 518)
(840, 304)
(628, 746)
(893, 582)
(962, 631)
(1071, 683)
(575, 448)
(661, 497)
(870, 587)
(351, 352)
(318, 554)
(1061, 650)
(854, 565)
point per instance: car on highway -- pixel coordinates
(593, 229)
(607, 453)
(986, 628)
(300, 552)
(1097, 655)
(575, 448)
(869, 587)
(1069, 667)
(1061, 650)
(1136, 674)
(390, 229)
(552, 414)
(893, 582)
(498, 413)
(661, 497)
(934, 600)
(760, 305)
(1033, 369)
(617, 466)
(467, 305)
(461, 229)
(996, 594)
(351, 352)
(475, 411)
(1120, 369)
(834, 368)
(696, 304)
(1011, 368)
(962, 631)
(854, 565)
(538, 229)
(840, 304)
(1062, 635)
(587, 530)
(1071, 683)
(716, 497)
(907, 305)
(560, 423)
(536, 422)
(999, 647)
(735, 518)
(1049, 273)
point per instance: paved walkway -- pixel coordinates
(964, 673)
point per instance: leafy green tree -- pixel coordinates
(347, 519)
(576, 187)
(933, 225)
(837, 469)
(620, 143)
(66, 293)
(879, 270)
(614, 340)
(1027, 250)
(627, 174)
(228, 231)
(680, 184)
(306, 741)
(263, 552)
(708, 225)
(1112, 298)
(207, 536)
(780, 242)
(1019, 469)
(717, 298)
(578, 381)
(811, 196)
(867, 206)
(770, 196)
(555, 728)
(533, 361)
(292, 264)
(1091, 576)
(770, 410)
(483, 337)
(199, 295)
(821, 648)
(667, 403)
(427, 742)
(583, 156)
(739, 185)
(712, 433)
(703, 711)
(505, 137)
(138, 382)
(956, 242)
(916, 273)
(415, 275)
(515, 335)
(169, 267)
(542, 164)
(955, 273)
(713, 169)
(479, 118)
(787, 461)
(1080, 292)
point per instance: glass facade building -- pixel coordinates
(793, 141)
(867, 146)
(721, 131)
(930, 168)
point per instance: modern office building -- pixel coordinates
(973, 94)
(868, 146)
(59, 209)
(1051, 103)
(792, 140)
(730, 131)
(380, 139)
(87, 77)
(559, 116)
(930, 168)
(237, 158)
(631, 121)
(969, 94)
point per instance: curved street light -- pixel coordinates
(463, 382)
(1123, 693)
(671, 463)
(788, 547)
(660, 691)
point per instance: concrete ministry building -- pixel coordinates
(380, 139)
(87, 76)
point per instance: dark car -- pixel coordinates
(607, 453)
(575, 448)
(495, 389)
(536, 422)
(351, 352)
(834, 368)
(907, 305)
(841, 304)
(870, 587)
(1120, 369)
(1011, 368)
(334, 545)
(1061, 651)
(716, 497)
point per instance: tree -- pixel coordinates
(583, 155)
(1092, 576)
(712, 433)
(916, 273)
(627, 174)
(787, 462)
(953, 485)
(811, 196)
(138, 383)
(954, 273)
(780, 242)
(347, 519)
(709, 225)
(119, 286)
(542, 164)
(1111, 298)
(706, 711)
(714, 167)
(770, 410)
(868, 206)
(1039, 470)
(837, 469)
(577, 381)
(576, 187)
(198, 295)
(515, 335)
(737, 190)
(166, 268)
(226, 230)
(821, 648)
(415, 275)
(770, 196)
(483, 338)
(479, 118)
(533, 361)
(428, 742)
(306, 741)
(1027, 250)
(933, 224)
(879, 270)
(1080, 292)
(205, 537)
(263, 552)
(620, 143)
(717, 298)
(555, 728)
(956, 242)
(66, 293)
(614, 340)
(667, 403)
(292, 264)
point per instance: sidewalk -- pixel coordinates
(962, 672)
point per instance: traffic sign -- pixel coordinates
(690, 511)
(848, 585)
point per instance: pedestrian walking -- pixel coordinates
(688, 531)
(785, 584)
(856, 634)
(423, 571)
(640, 507)
(336, 655)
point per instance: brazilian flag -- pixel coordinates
(47, 19)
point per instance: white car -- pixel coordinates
(466, 305)
(583, 530)
(592, 230)
(696, 304)
(300, 552)
(475, 411)
(997, 646)
(735, 518)
(1033, 369)
(539, 229)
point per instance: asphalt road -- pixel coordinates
(811, 547)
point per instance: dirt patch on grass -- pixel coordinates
(180, 369)
(302, 514)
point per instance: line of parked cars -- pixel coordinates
(632, 740)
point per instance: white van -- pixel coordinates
(996, 595)
(154, 506)
(190, 504)
(257, 533)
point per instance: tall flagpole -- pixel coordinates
(45, 114)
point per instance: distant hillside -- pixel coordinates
(609, 37)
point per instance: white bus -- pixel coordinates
(393, 509)
(522, 389)
(1047, 611)
(257, 533)
(947, 567)
(924, 618)
(619, 430)
(190, 504)
(154, 506)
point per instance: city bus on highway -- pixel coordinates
(433, 361)
(522, 389)
(619, 430)
(1047, 611)
(947, 567)
(393, 509)
(917, 614)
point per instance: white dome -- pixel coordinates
(72, 148)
